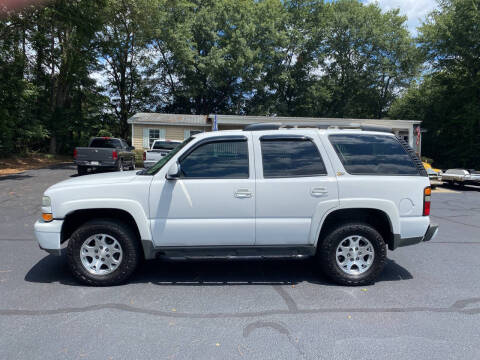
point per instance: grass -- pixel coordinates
(17, 164)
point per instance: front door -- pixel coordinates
(213, 202)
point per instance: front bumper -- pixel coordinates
(399, 242)
(48, 235)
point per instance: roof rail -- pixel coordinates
(277, 126)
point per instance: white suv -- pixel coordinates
(342, 196)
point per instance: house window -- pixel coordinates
(186, 133)
(155, 134)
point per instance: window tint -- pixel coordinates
(219, 160)
(364, 154)
(165, 145)
(291, 158)
(105, 143)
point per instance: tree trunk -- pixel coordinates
(53, 145)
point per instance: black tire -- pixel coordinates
(82, 170)
(130, 246)
(326, 254)
(120, 165)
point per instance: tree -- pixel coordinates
(368, 57)
(287, 83)
(211, 52)
(448, 99)
(121, 45)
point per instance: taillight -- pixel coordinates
(75, 153)
(114, 155)
(144, 155)
(427, 193)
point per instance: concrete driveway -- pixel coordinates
(425, 305)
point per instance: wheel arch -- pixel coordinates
(377, 218)
(76, 218)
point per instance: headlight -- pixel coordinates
(47, 209)
(46, 201)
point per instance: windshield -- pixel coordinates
(168, 145)
(154, 169)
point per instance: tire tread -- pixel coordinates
(330, 243)
(128, 241)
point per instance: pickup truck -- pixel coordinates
(104, 153)
(159, 149)
(461, 177)
(339, 196)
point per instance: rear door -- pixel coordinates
(295, 186)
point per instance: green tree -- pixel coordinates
(368, 56)
(211, 52)
(121, 52)
(448, 98)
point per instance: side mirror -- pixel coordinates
(173, 172)
(131, 148)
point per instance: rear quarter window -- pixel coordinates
(366, 154)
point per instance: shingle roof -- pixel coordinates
(168, 119)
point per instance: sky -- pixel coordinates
(416, 10)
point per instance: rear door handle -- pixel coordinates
(319, 191)
(243, 193)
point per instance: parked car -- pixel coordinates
(435, 175)
(340, 196)
(104, 153)
(461, 177)
(159, 149)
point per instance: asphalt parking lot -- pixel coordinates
(425, 305)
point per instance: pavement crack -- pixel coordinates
(459, 307)
(280, 328)
(292, 306)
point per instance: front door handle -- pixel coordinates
(319, 191)
(243, 193)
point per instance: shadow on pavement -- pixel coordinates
(61, 166)
(53, 269)
(20, 176)
(460, 187)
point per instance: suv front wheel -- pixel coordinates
(103, 252)
(352, 254)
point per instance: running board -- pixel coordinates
(233, 252)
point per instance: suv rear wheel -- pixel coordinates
(103, 253)
(353, 254)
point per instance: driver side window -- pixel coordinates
(217, 160)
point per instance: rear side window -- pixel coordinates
(291, 158)
(365, 154)
(217, 160)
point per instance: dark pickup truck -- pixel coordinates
(105, 153)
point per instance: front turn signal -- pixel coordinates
(47, 217)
